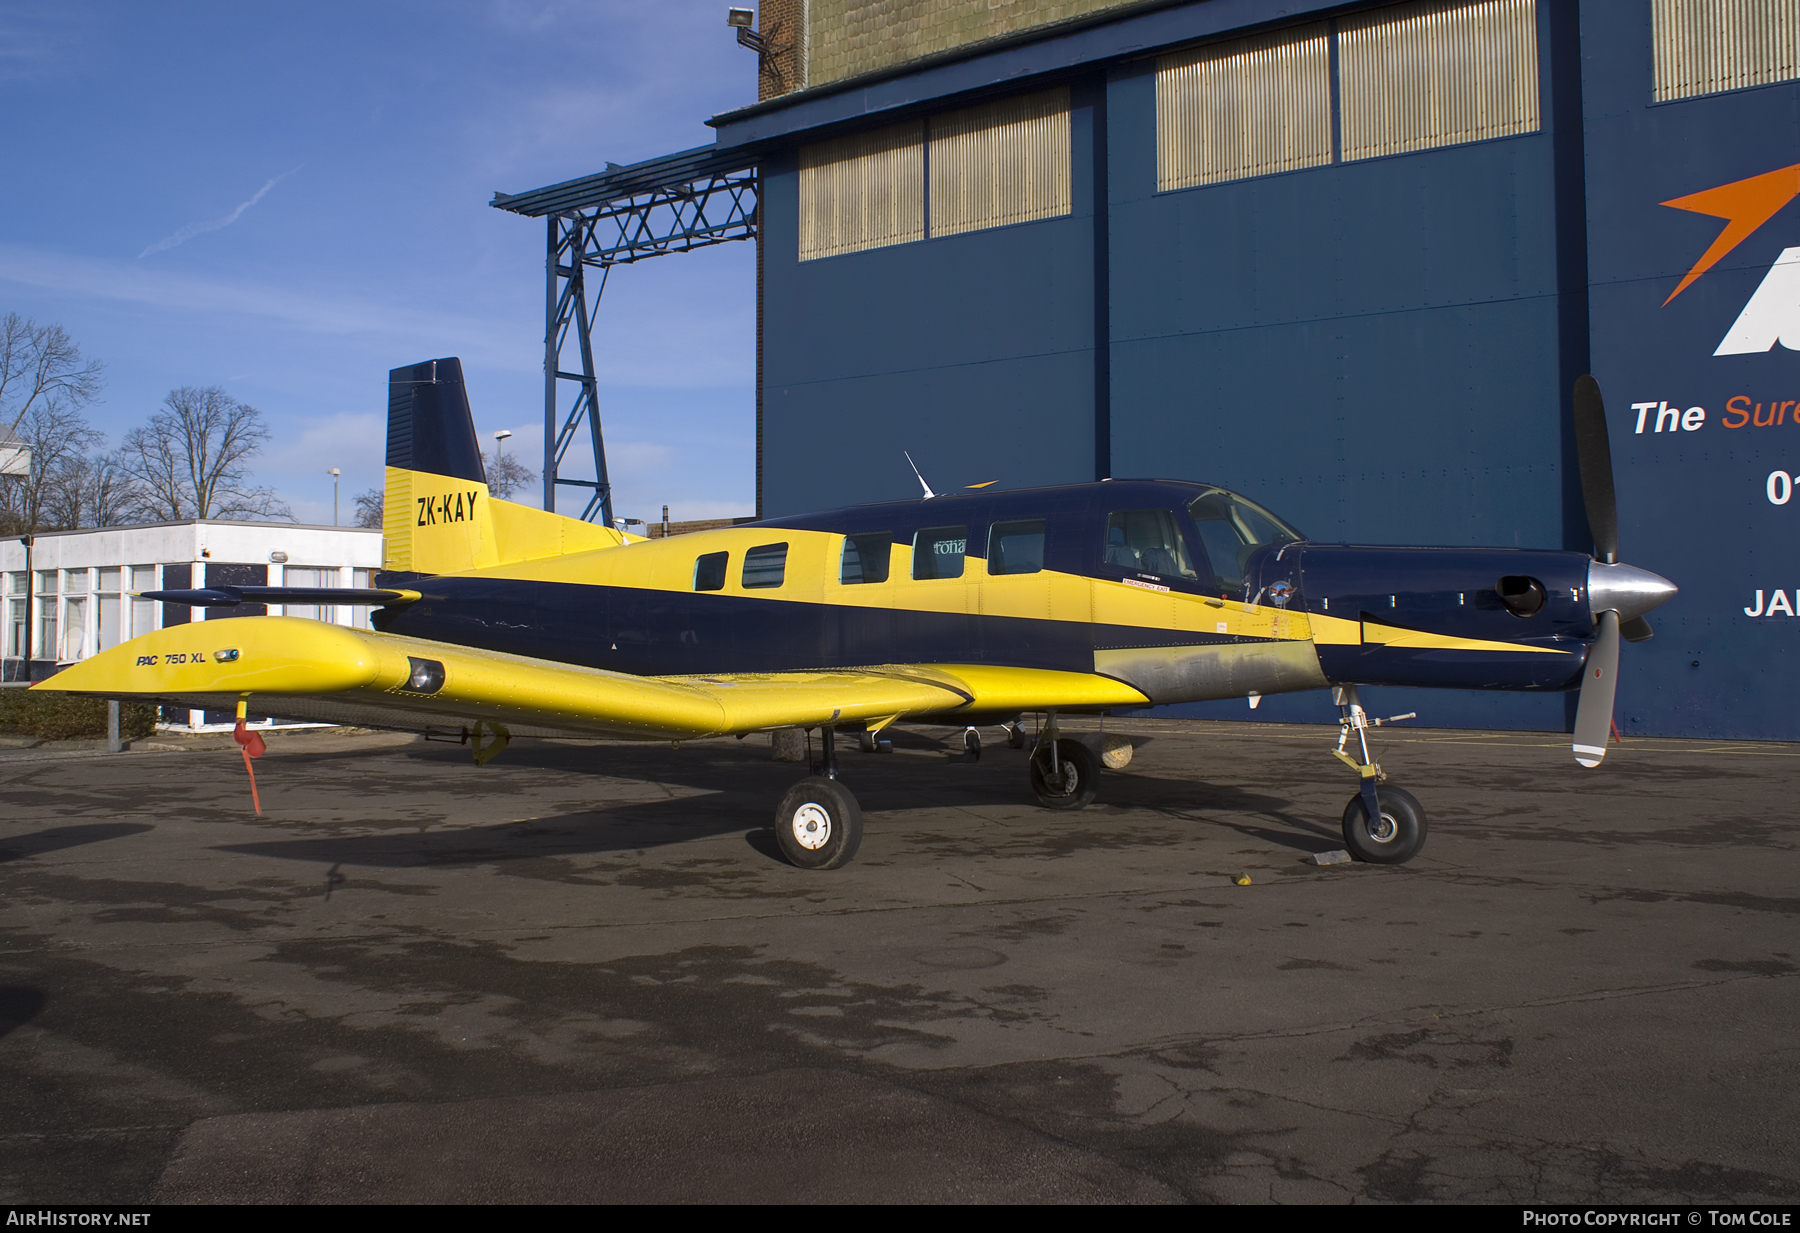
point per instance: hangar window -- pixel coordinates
(1004, 162)
(865, 559)
(1147, 540)
(1000, 163)
(1706, 46)
(1249, 107)
(938, 552)
(709, 571)
(1016, 547)
(1419, 76)
(765, 566)
(862, 191)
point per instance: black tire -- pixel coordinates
(819, 824)
(1398, 838)
(1079, 779)
(1015, 735)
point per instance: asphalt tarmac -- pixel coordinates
(582, 973)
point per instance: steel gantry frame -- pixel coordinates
(620, 216)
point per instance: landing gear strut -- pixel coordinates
(1383, 824)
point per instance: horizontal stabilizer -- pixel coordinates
(231, 597)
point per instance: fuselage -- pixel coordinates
(1183, 590)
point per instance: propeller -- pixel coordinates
(1618, 595)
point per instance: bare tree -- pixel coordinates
(58, 436)
(90, 490)
(369, 506)
(506, 475)
(40, 364)
(192, 459)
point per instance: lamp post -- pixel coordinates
(334, 473)
(500, 443)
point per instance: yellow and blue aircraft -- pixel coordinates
(499, 620)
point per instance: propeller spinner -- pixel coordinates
(1618, 595)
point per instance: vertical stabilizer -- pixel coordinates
(437, 516)
(430, 426)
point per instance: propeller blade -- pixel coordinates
(1637, 629)
(1593, 457)
(1593, 715)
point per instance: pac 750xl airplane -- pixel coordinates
(499, 620)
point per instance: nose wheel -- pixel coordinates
(1395, 836)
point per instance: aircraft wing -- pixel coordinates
(295, 668)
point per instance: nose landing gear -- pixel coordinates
(1383, 824)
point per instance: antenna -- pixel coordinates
(915, 466)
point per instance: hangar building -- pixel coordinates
(1345, 259)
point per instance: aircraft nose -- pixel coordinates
(1626, 589)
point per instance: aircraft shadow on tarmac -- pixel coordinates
(19, 1005)
(56, 838)
(738, 785)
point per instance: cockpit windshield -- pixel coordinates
(1232, 528)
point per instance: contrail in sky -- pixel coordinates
(193, 229)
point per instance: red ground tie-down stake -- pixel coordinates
(253, 747)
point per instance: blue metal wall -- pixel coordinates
(1693, 505)
(974, 352)
(1380, 351)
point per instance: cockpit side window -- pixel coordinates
(1147, 541)
(1232, 528)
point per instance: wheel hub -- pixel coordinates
(811, 825)
(1384, 830)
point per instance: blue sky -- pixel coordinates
(287, 201)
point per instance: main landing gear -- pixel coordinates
(1065, 774)
(1383, 824)
(819, 823)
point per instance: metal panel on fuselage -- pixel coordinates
(1448, 592)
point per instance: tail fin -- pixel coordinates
(430, 426)
(437, 516)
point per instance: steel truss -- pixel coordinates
(621, 216)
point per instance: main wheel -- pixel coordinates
(1076, 779)
(1394, 840)
(819, 824)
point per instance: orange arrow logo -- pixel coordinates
(1745, 205)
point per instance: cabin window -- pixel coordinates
(1147, 541)
(765, 565)
(1232, 528)
(709, 571)
(1016, 547)
(938, 552)
(865, 559)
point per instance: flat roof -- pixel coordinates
(618, 183)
